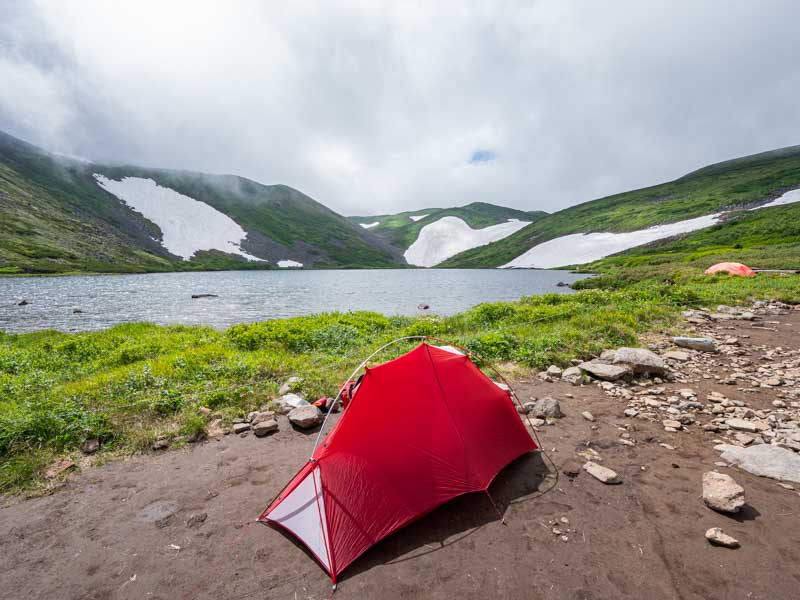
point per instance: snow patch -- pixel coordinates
(789, 197)
(416, 218)
(285, 264)
(449, 236)
(579, 248)
(187, 225)
(370, 225)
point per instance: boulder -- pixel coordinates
(572, 375)
(601, 473)
(701, 344)
(554, 371)
(287, 402)
(716, 536)
(545, 408)
(640, 360)
(605, 371)
(263, 428)
(764, 460)
(722, 493)
(241, 427)
(305, 417)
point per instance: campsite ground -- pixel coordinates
(124, 530)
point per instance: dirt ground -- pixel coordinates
(124, 531)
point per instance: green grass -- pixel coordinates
(735, 184)
(135, 382)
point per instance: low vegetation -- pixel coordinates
(129, 385)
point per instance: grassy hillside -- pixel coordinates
(401, 231)
(743, 182)
(54, 218)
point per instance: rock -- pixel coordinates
(722, 493)
(587, 415)
(601, 473)
(764, 460)
(58, 467)
(554, 371)
(160, 444)
(203, 410)
(23, 303)
(701, 344)
(241, 427)
(716, 536)
(290, 385)
(678, 355)
(263, 428)
(744, 425)
(287, 402)
(214, 429)
(305, 417)
(90, 446)
(76, 311)
(606, 372)
(571, 468)
(196, 296)
(196, 520)
(640, 360)
(572, 375)
(545, 408)
(670, 424)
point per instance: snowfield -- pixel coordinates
(416, 218)
(285, 264)
(370, 225)
(448, 236)
(580, 248)
(187, 225)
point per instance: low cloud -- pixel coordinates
(372, 108)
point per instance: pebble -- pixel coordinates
(717, 537)
(601, 473)
(587, 415)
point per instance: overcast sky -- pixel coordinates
(374, 108)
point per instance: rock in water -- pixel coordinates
(546, 408)
(604, 371)
(701, 344)
(722, 493)
(305, 417)
(764, 460)
(716, 536)
(601, 473)
(263, 428)
(640, 360)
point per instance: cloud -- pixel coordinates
(372, 107)
(482, 156)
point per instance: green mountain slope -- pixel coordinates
(401, 231)
(743, 182)
(54, 217)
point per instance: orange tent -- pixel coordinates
(731, 268)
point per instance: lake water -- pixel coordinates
(243, 296)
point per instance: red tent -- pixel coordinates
(732, 268)
(420, 430)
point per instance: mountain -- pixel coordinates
(431, 235)
(59, 214)
(718, 202)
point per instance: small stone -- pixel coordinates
(587, 415)
(90, 446)
(779, 404)
(203, 410)
(572, 375)
(197, 519)
(290, 385)
(744, 425)
(716, 536)
(287, 402)
(160, 444)
(722, 493)
(241, 427)
(606, 372)
(601, 473)
(263, 428)
(701, 344)
(554, 371)
(669, 424)
(571, 468)
(667, 446)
